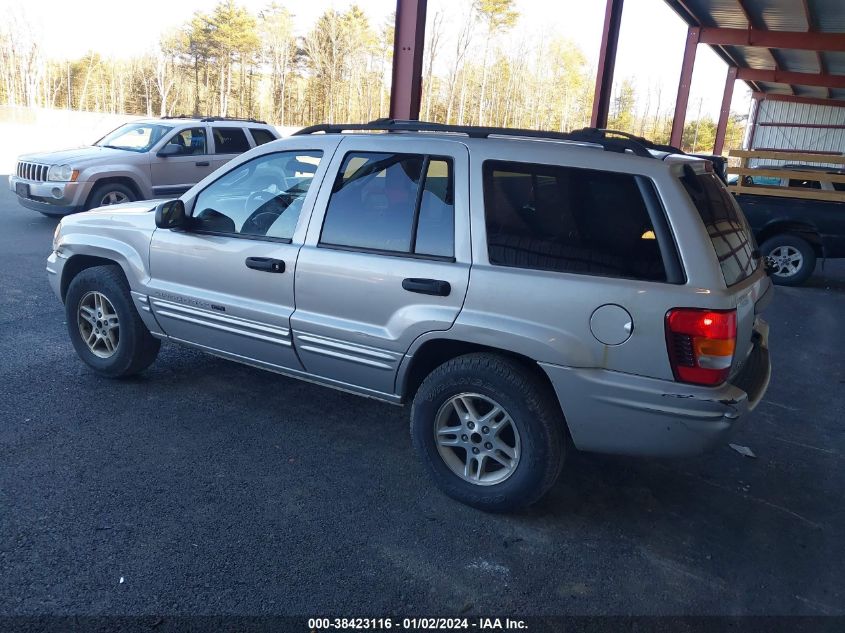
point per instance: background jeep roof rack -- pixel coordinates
(210, 119)
(591, 136)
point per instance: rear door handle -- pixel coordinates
(434, 287)
(202, 163)
(265, 264)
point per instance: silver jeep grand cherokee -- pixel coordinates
(155, 158)
(523, 291)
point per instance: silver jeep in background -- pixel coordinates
(141, 160)
(522, 291)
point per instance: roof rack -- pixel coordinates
(659, 147)
(210, 119)
(587, 135)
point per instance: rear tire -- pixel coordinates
(105, 328)
(493, 461)
(108, 194)
(793, 258)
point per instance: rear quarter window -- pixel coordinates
(727, 227)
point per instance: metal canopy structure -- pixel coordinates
(785, 50)
(788, 50)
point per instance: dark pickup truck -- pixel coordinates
(794, 232)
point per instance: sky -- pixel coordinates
(651, 42)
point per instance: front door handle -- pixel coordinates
(202, 163)
(435, 287)
(265, 264)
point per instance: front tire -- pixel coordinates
(792, 257)
(108, 194)
(489, 431)
(104, 327)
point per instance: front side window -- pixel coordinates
(191, 142)
(135, 137)
(568, 219)
(396, 203)
(229, 140)
(261, 198)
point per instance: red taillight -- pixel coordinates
(701, 344)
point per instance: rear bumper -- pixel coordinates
(51, 198)
(611, 412)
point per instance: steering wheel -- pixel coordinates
(262, 218)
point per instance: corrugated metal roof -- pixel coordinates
(826, 16)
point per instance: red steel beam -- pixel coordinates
(796, 40)
(684, 84)
(787, 77)
(607, 63)
(725, 112)
(794, 99)
(408, 43)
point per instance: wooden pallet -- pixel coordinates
(803, 193)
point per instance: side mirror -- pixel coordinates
(171, 149)
(171, 215)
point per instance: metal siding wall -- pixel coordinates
(799, 138)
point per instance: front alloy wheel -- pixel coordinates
(98, 324)
(113, 197)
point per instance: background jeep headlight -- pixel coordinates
(62, 173)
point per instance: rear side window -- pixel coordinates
(230, 140)
(569, 220)
(261, 136)
(392, 203)
(729, 232)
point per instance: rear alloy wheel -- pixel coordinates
(791, 258)
(477, 439)
(489, 430)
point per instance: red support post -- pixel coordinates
(725, 112)
(683, 87)
(607, 63)
(408, 44)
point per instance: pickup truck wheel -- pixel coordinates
(792, 258)
(104, 326)
(108, 194)
(489, 432)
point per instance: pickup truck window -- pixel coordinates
(261, 198)
(392, 203)
(729, 232)
(570, 220)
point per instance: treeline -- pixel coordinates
(229, 62)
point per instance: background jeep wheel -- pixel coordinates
(792, 257)
(108, 194)
(104, 326)
(489, 431)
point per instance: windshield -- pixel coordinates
(134, 137)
